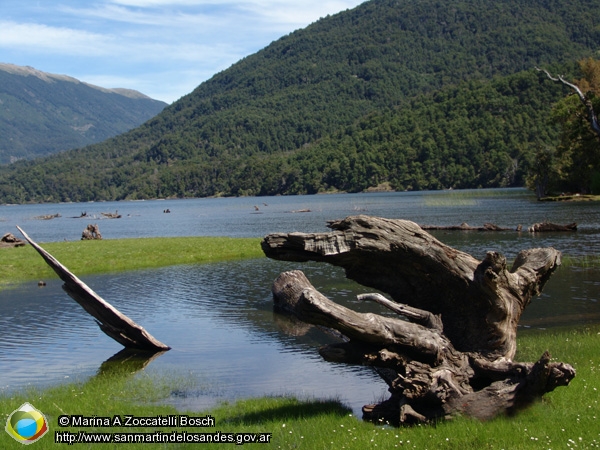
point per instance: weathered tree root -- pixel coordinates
(452, 357)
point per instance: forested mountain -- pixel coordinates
(407, 94)
(42, 113)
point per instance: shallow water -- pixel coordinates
(227, 341)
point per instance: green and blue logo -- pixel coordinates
(26, 424)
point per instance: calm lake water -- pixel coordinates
(226, 341)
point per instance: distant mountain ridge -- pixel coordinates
(399, 94)
(43, 113)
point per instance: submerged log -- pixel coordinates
(452, 353)
(48, 216)
(114, 215)
(547, 226)
(110, 320)
(536, 227)
(465, 227)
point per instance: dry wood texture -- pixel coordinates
(453, 352)
(110, 320)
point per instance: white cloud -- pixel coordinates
(163, 48)
(155, 3)
(274, 13)
(108, 14)
(283, 12)
(61, 40)
(66, 41)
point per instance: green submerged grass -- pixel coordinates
(581, 262)
(568, 418)
(22, 264)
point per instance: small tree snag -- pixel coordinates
(452, 353)
(110, 320)
(592, 117)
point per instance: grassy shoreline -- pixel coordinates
(566, 418)
(23, 264)
(572, 198)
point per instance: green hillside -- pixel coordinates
(41, 114)
(410, 94)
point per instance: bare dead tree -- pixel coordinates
(592, 117)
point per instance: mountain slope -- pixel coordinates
(255, 128)
(43, 113)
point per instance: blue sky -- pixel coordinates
(162, 48)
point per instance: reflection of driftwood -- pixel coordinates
(547, 226)
(123, 365)
(10, 240)
(290, 325)
(453, 354)
(92, 232)
(127, 362)
(111, 321)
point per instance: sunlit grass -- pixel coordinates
(449, 200)
(115, 255)
(467, 197)
(567, 418)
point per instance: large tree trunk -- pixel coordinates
(454, 352)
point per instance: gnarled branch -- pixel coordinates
(453, 353)
(592, 117)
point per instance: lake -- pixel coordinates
(227, 342)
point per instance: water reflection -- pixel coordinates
(236, 217)
(569, 299)
(127, 362)
(218, 318)
(225, 337)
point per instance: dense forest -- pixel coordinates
(394, 93)
(42, 114)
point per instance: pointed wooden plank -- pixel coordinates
(110, 320)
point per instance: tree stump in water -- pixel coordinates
(452, 353)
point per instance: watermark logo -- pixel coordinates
(26, 424)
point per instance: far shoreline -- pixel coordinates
(571, 198)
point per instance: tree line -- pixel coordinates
(406, 95)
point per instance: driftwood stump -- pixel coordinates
(91, 232)
(10, 240)
(547, 226)
(452, 353)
